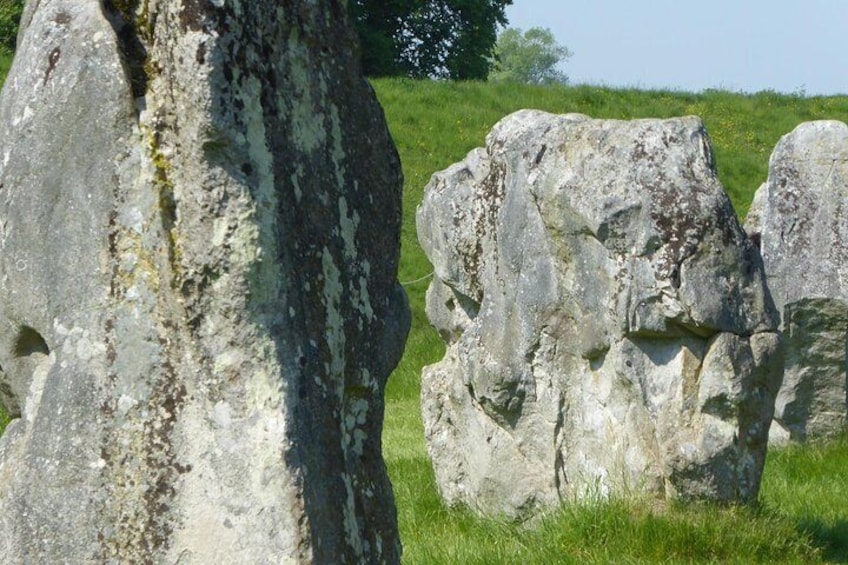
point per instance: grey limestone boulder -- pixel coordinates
(607, 324)
(199, 237)
(800, 218)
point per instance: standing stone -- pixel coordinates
(811, 401)
(607, 322)
(800, 216)
(200, 213)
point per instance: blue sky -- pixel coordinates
(739, 45)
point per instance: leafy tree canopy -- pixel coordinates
(10, 16)
(428, 38)
(530, 57)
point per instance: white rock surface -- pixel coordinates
(607, 323)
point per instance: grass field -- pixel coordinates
(802, 516)
(5, 63)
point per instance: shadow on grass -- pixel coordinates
(832, 538)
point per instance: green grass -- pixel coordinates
(5, 64)
(802, 517)
(810, 484)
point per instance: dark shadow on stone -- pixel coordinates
(29, 341)
(298, 226)
(122, 18)
(28, 349)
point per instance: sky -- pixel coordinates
(789, 46)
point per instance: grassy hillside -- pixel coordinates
(802, 516)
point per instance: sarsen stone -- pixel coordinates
(607, 322)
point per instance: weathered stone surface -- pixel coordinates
(200, 208)
(802, 215)
(812, 398)
(607, 321)
(800, 218)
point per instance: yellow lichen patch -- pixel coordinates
(164, 187)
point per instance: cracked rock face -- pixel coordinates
(199, 236)
(800, 217)
(607, 322)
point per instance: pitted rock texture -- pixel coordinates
(200, 208)
(800, 217)
(607, 322)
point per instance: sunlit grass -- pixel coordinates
(616, 531)
(5, 64)
(809, 484)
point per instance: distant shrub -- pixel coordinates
(10, 17)
(529, 57)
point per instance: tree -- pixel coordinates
(10, 16)
(530, 57)
(428, 38)
(377, 24)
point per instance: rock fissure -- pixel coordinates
(129, 21)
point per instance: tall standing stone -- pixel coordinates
(608, 326)
(800, 216)
(200, 207)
